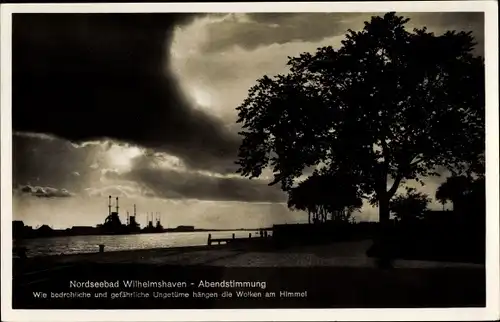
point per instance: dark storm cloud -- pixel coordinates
(90, 76)
(171, 184)
(44, 192)
(52, 162)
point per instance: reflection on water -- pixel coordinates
(89, 244)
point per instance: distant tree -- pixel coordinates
(442, 202)
(466, 193)
(389, 104)
(411, 205)
(300, 199)
(454, 189)
(342, 196)
(476, 203)
(323, 195)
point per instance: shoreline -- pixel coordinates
(249, 253)
(208, 241)
(239, 245)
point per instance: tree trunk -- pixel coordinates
(384, 211)
(383, 238)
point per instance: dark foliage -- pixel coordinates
(324, 195)
(409, 206)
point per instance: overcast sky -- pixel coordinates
(142, 106)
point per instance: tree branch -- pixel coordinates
(385, 150)
(395, 184)
(402, 171)
(277, 179)
(418, 160)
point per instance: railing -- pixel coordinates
(233, 239)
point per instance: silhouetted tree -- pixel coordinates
(441, 201)
(467, 194)
(387, 106)
(476, 204)
(409, 206)
(454, 189)
(323, 195)
(341, 196)
(300, 198)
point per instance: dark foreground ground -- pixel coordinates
(328, 276)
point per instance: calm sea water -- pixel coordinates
(90, 244)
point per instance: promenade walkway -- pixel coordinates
(342, 254)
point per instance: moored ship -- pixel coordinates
(113, 225)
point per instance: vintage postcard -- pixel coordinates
(250, 161)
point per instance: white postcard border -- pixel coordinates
(491, 312)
